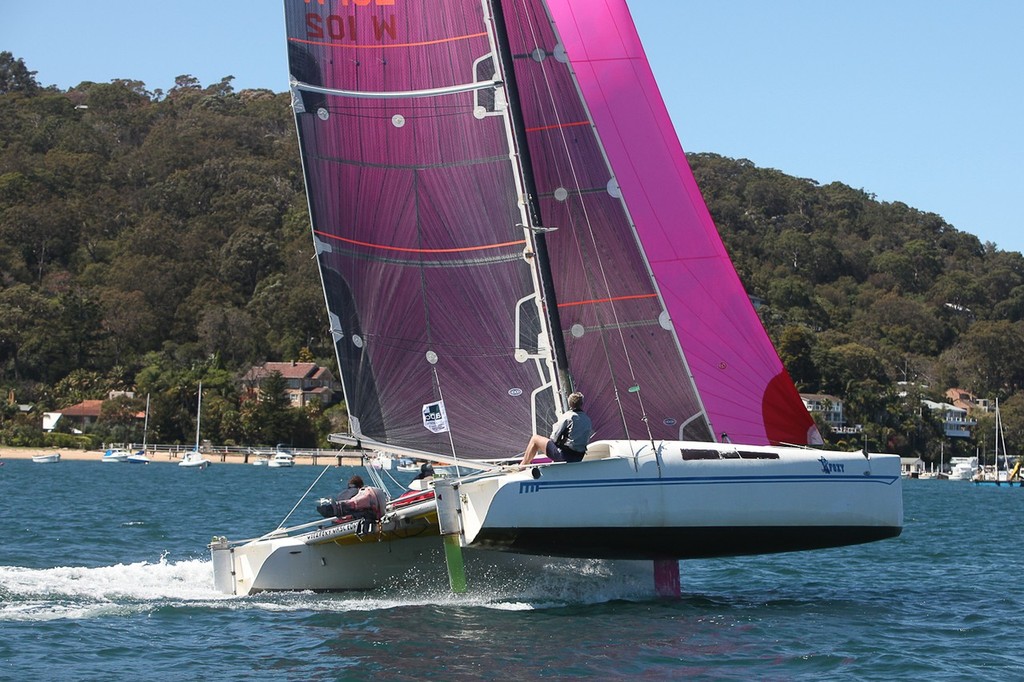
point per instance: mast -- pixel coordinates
(540, 247)
(199, 413)
(145, 426)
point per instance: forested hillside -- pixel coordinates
(150, 239)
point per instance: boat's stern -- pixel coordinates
(223, 565)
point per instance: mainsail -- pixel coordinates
(418, 225)
(441, 142)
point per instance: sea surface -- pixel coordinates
(104, 575)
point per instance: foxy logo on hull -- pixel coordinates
(828, 467)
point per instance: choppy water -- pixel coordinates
(104, 576)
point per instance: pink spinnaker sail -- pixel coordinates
(746, 392)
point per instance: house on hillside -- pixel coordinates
(82, 414)
(304, 382)
(77, 417)
(955, 421)
(828, 406)
(966, 400)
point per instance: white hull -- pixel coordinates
(119, 456)
(608, 507)
(963, 468)
(289, 564)
(47, 459)
(194, 460)
(694, 500)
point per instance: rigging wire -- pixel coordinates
(451, 439)
(288, 515)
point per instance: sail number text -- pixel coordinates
(337, 27)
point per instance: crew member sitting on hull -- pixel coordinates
(357, 500)
(569, 435)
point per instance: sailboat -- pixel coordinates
(1004, 476)
(503, 215)
(194, 458)
(141, 457)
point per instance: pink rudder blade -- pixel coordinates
(666, 578)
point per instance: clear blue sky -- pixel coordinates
(918, 101)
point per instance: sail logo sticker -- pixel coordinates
(828, 467)
(434, 417)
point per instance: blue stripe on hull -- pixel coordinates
(538, 485)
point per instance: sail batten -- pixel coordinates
(407, 249)
(405, 94)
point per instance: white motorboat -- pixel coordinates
(281, 460)
(51, 458)
(119, 455)
(962, 468)
(406, 465)
(194, 459)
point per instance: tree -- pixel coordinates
(78, 385)
(903, 323)
(128, 322)
(119, 419)
(849, 366)
(796, 350)
(15, 76)
(988, 359)
(268, 420)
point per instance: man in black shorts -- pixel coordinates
(569, 435)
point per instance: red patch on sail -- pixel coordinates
(786, 420)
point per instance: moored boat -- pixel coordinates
(281, 460)
(194, 458)
(51, 458)
(999, 473)
(962, 468)
(140, 457)
(118, 455)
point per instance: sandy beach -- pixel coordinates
(322, 459)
